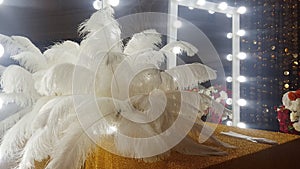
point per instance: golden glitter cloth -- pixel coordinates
(101, 159)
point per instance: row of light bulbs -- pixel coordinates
(222, 6)
(97, 4)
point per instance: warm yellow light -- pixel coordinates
(286, 73)
(286, 86)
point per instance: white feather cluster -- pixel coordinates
(65, 132)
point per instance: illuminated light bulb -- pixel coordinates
(1, 50)
(177, 24)
(241, 32)
(242, 10)
(211, 12)
(191, 8)
(242, 102)
(242, 79)
(229, 101)
(201, 2)
(229, 57)
(97, 4)
(113, 2)
(228, 15)
(112, 129)
(229, 123)
(241, 125)
(176, 50)
(1, 103)
(286, 73)
(1, 2)
(286, 86)
(229, 35)
(242, 55)
(223, 5)
(229, 79)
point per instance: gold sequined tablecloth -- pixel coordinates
(101, 159)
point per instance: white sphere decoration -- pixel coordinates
(1, 50)
(242, 102)
(114, 2)
(242, 10)
(97, 4)
(223, 5)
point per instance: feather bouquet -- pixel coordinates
(99, 92)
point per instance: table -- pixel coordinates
(247, 155)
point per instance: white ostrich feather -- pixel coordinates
(105, 72)
(191, 74)
(16, 79)
(8, 122)
(48, 125)
(72, 150)
(102, 35)
(26, 43)
(97, 21)
(15, 138)
(65, 52)
(58, 80)
(17, 44)
(147, 57)
(144, 40)
(19, 99)
(183, 46)
(31, 61)
(2, 69)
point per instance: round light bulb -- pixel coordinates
(229, 79)
(211, 12)
(223, 5)
(97, 4)
(201, 2)
(228, 15)
(1, 50)
(241, 32)
(229, 35)
(242, 79)
(177, 24)
(229, 101)
(242, 102)
(242, 125)
(229, 57)
(242, 55)
(176, 50)
(242, 10)
(229, 123)
(113, 2)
